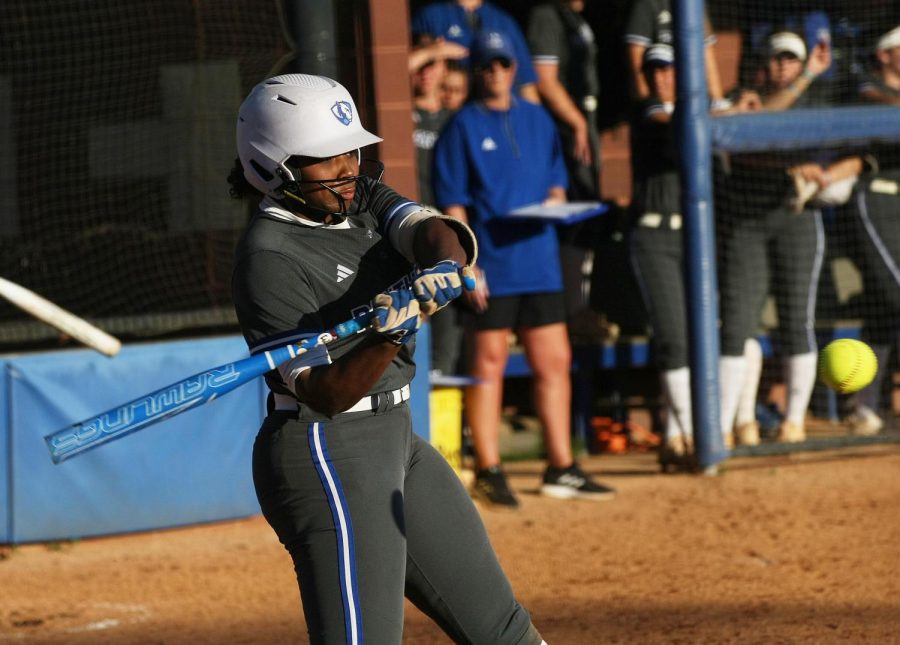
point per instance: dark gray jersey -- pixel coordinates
(556, 34)
(292, 281)
(426, 129)
(650, 22)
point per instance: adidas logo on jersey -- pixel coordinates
(488, 144)
(343, 273)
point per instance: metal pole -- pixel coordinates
(692, 125)
(311, 27)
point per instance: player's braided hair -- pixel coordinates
(240, 188)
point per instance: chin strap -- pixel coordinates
(292, 192)
(301, 206)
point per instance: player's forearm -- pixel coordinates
(843, 168)
(639, 88)
(877, 96)
(784, 99)
(331, 389)
(558, 100)
(436, 240)
(713, 78)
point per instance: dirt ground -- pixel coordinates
(788, 549)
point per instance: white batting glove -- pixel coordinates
(437, 286)
(396, 315)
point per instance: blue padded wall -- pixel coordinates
(190, 469)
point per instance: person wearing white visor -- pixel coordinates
(791, 69)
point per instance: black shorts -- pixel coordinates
(524, 310)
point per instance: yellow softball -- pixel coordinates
(847, 365)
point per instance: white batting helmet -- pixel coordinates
(295, 114)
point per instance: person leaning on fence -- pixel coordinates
(656, 247)
(367, 509)
(496, 154)
(766, 241)
(870, 184)
(883, 85)
(876, 202)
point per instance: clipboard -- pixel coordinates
(565, 213)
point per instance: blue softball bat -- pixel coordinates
(182, 396)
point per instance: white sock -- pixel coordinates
(800, 377)
(677, 388)
(746, 408)
(732, 370)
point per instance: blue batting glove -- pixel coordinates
(437, 286)
(468, 278)
(396, 315)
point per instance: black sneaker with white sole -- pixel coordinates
(573, 483)
(491, 488)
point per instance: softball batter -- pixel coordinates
(367, 510)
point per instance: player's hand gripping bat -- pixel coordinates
(189, 393)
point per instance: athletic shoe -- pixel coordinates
(491, 488)
(573, 483)
(676, 455)
(747, 434)
(791, 433)
(864, 422)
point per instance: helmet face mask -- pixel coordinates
(291, 116)
(302, 192)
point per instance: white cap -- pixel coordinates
(890, 40)
(787, 42)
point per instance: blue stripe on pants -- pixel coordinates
(344, 529)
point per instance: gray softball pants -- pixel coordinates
(778, 251)
(371, 512)
(877, 224)
(658, 262)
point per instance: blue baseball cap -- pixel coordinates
(490, 45)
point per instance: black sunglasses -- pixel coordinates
(505, 63)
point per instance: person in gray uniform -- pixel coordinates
(656, 247)
(564, 53)
(769, 239)
(870, 182)
(368, 510)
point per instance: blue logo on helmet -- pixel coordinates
(342, 112)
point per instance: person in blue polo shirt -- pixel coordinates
(460, 21)
(496, 154)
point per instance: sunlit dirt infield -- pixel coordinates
(798, 548)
